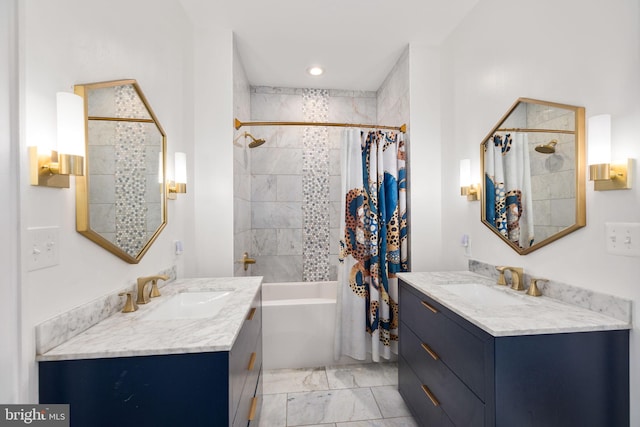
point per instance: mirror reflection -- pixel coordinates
(533, 171)
(120, 201)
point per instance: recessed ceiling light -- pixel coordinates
(315, 71)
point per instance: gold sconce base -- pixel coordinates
(607, 176)
(471, 192)
(173, 189)
(53, 170)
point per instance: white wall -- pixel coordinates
(425, 152)
(9, 255)
(212, 246)
(63, 43)
(574, 52)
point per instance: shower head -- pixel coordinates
(548, 148)
(254, 142)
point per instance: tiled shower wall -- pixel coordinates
(125, 200)
(552, 175)
(295, 180)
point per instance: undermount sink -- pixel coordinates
(189, 305)
(483, 295)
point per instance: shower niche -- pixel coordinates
(533, 171)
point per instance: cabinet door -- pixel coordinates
(168, 390)
(559, 380)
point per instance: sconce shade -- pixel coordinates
(180, 173)
(181, 168)
(599, 139)
(604, 174)
(53, 169)
(465, 172)
(70, 119)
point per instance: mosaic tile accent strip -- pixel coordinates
(315, 187)
(130, 173)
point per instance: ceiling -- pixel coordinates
(356, 41)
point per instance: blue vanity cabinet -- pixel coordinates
(245, 370)
(218, 389)
(452, 373)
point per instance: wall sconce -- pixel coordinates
(466, 187)
(53, 169)
(180, 171)
(604, 174)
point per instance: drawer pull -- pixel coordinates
(433, 309)
(430, 395)
(252, 361)
(432, 353)
(252, 410)
(252, 313)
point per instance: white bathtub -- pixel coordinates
(298, 324)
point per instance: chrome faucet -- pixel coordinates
(517, 277)
(144, 298)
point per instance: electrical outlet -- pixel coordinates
(623, 238)
(43, 249)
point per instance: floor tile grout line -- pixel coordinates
(286, 409)
(376, 400)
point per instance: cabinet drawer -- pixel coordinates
(427, 412)
(249, 404)
(245, 356)
(460, 349)
(456, 399)
(250, 388)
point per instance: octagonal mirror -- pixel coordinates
(533, 167)
(120, 201)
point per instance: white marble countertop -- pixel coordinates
(129, 334)
(528, 316)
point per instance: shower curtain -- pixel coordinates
(508, 188)
(374, 244)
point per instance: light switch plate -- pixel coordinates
(623, 238)
(42, 247)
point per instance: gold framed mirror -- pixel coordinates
(120, 201)
(533, 168)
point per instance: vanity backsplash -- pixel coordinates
(55, 331)
(609, 305)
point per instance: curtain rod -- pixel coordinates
(238, 124)
(535, 130)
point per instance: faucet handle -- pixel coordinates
(533, 287)
(501, 279)
(129, 305)
(155, 292)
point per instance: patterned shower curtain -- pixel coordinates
(374, 244)
(509, 202)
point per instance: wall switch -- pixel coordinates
(623, 238)
(42, 247)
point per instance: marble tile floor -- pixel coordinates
(362, 395)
